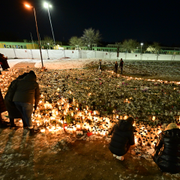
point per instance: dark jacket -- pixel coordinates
(12, 88)
(121, 63)
(13, 112)
(167, 154)
(116, 66)
(2, 105)
(122, 138)
(27, 90)
(4, 62)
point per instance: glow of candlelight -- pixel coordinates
(153, 118)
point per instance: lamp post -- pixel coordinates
(141, 47)
(47, 51)
(47, 5)
(31, 7)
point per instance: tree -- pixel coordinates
(90, 37)
(75, 41)
(157, 47)
(47, 43)
(150, 49)
(130, 45)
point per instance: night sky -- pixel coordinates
(117, 20)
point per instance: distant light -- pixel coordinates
(142, 44)
(28, 6)
(46, 5)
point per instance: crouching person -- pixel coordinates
(167, 150)
(27, 93)
(13, 112)
(122, 138)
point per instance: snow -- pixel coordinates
(53, 64)
(23, 156)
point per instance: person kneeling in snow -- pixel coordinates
(122, 138)
(167, 150)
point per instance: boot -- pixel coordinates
(33, 132)
(12, 123)
(3, 125)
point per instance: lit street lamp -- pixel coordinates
(31, 7)
(46, 5)
(141, 47)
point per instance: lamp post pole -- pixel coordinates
(38, 37)
(141, 47)
(47, 51)
(28, 6)
(46, 5)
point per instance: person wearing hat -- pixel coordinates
(122, 138)
(27, 94)
(167, 150)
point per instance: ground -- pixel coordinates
(49, 157)
(64, 156)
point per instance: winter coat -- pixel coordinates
(2, 105)
(121, 63)
(4, 62)
(10, 106)
(27, 90)
(167, 154)
(116, 66)
(122, 138)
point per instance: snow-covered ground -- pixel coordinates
(52, 64)
(48, 155)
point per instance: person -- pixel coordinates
(3, 62)
(2, 109)
(122, 138)
(121, 65)
(10, 106)
(26, 93)
(116, 67)
(100, 68)
(167, 150)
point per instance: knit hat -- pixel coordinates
(130, 120)
(171, 126)
(32, 72)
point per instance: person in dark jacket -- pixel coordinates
(100, 68)
(2, 109)
(10, 106)
(167, 150)
(121, 65)
(122, 138)
(116, 67)
(3, 62)
(27, 93)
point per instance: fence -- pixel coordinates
(82, 54)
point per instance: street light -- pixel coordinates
(31, 7)
(141, 47)
(47, 5)
(47, 51)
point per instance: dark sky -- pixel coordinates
(117, 20)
